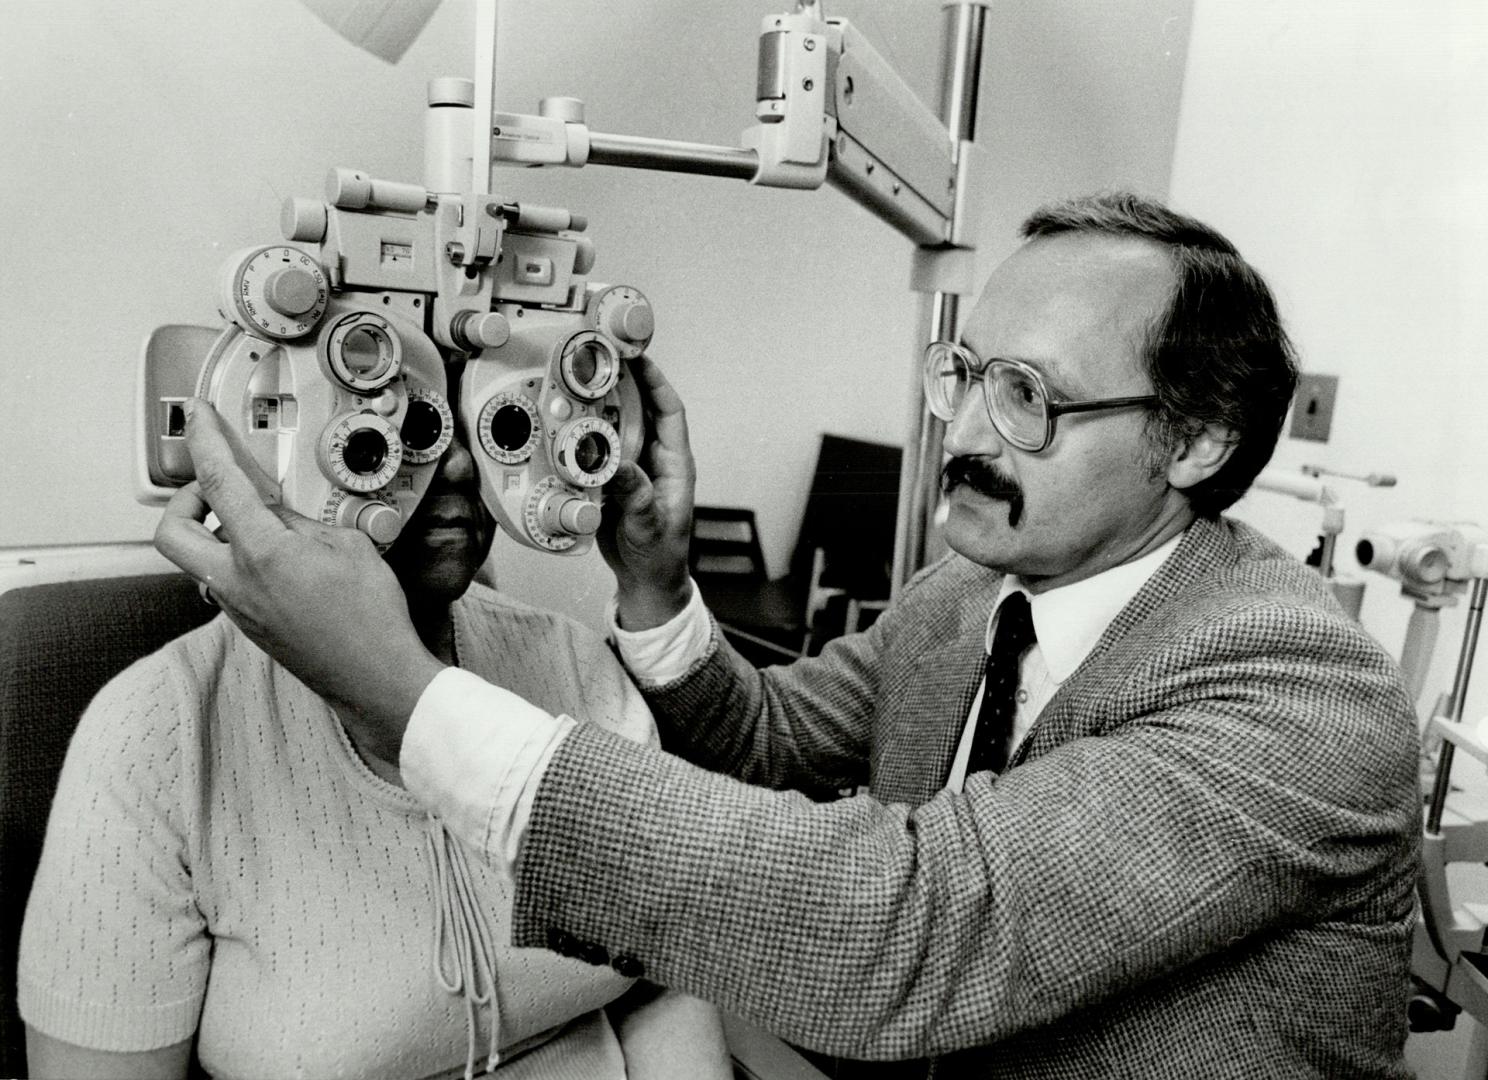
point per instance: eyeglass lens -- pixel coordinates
(1015, 401)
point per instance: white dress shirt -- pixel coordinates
(475, 754)
(1067, 623)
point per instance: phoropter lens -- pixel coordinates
(362, 352)
(591, 452)
(589, 366)
(365, 451)
(422, 426)
(586, 363)
(508, 428)
(511, 427)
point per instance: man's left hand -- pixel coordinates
(318, 599)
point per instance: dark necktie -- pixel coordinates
(994, 726)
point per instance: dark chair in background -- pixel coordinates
(59, 643)
(840, 568)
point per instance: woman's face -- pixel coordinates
(444, 543)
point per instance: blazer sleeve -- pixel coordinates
(808, 724)
(1272, 787)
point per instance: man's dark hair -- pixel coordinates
(1218, 355)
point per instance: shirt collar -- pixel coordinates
(1070, 619)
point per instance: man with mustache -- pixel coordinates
(1143, 799)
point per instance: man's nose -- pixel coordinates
(970, 431)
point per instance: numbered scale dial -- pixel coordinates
(277, 292)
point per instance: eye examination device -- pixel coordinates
(331, 365)
(330, 361)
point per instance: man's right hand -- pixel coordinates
(648, 511)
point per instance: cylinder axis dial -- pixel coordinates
(545, 490)
(587, 452)
(428, 426)
(277, 292)
(360, 451)
(509, 428)
(625, 315)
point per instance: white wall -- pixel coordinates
(143, 142)
(1344, 147)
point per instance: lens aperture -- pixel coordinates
(511, 427)
(591, 453)
(422, 426)
(365, 451)
(589, 366)
(508, 428)
(587, 452)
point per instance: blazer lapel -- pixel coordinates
(1207, 545)
(929, 687)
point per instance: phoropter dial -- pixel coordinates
(587, 452)
(360, 451)
(625, 315)
(373, 515)
(508, 428)
(276, 291)
(540, 512)
(428, 426)
(568, 513)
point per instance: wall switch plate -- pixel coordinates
(1312, 407)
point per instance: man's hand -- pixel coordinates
(648, 511)
(316, 598)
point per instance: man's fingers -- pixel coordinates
(664, 409)
(184, 539)
(231, 483)
(629, 490)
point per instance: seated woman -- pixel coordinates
(226, 872)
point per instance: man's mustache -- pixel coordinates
(981, 477)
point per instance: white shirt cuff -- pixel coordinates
(474, 754)
(668, 651)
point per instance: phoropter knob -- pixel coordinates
(570, 515)
(291, 291)
(480, 330)
(378, 520)
(631, 322)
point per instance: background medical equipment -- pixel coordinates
(1436, 562)
(1309, 487)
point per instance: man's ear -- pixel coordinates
(1202, 456)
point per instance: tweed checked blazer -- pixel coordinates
(1199, 864)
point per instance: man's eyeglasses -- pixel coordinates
(1018, 403)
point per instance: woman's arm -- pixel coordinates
(666, 1035)
(52, 1059)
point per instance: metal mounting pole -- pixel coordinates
(1456, 704)
(919, 476)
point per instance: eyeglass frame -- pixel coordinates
(1054, 407)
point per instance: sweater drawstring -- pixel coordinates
(464, 959)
